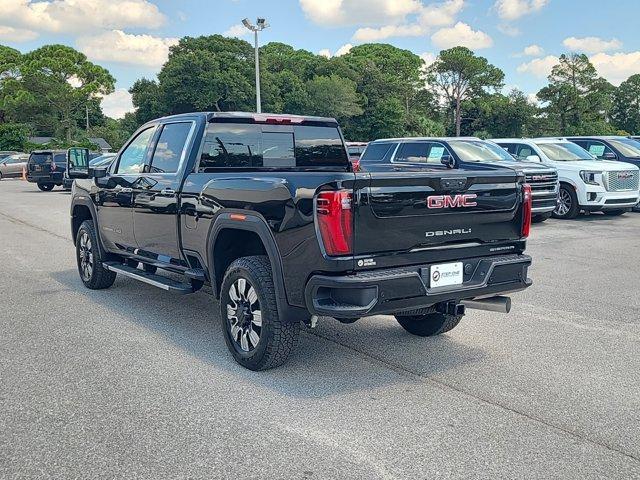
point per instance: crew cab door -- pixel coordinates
(114, 200)
(155, 194)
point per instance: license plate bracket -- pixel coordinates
(446, 274)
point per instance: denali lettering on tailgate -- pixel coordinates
(455, 231)
(452, 201)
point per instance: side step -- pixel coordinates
(159, 281)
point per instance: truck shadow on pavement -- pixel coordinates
(333, 360)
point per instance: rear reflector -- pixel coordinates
(335, 222)
(527, 200)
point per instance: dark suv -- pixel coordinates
(46, 168)
(623, 149)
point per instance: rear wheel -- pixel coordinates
(541, 217)
(567, 203)
(45, 187)
(253, 331)
(428, 325)
(614, 213)
(90, 257)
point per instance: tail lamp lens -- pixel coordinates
(526, 210)
(335, 221)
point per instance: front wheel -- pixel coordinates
(45, 187)
(614, 213)
(253, 331)
(428, 325)
(90, 257)
(567, 203)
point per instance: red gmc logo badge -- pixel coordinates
(452, 201)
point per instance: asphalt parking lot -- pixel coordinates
(130, 382)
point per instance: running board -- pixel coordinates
(159, 281)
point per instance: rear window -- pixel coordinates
(41, 158)
(229, 145)
(376, 152)
(60, 158)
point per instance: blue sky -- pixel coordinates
(132, 41)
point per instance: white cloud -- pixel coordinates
(509, 30)
(428, 17)
(514, 9)
(592, 44)
(117, 46)
(116, 104)
(539, 67)
(353, 12)
(533, 51)
(461, 34)
(237, 31)
(616, 67)
(75, 15)
(11, 34)
(343, 50)
(428, 59)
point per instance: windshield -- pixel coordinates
(627, 146)
(41, 158)
(565, 152)
(479, 151)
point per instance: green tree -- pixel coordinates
(458, 74)
(626, 105)
(511, 115)
(13, 136)
(55, 86)
(577, 100)
(333, 96)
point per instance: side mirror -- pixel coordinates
(534, 158)
(609, 156)
(78, 162)
(448, 161)
(98, 172)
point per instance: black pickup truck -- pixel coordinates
(268, 212)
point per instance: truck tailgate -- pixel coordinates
(401, 211)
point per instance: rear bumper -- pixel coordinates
(53, 177)
(397, 290)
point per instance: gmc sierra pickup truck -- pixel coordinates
(267, 211)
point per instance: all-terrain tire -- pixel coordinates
(45, 187)
(88, 246)
(428, 325)
(276, 339)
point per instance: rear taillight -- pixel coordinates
(527, 201)
(335, 221)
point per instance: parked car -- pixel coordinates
(12, 165)
(268, 211)
(586, 183)
(46, 168)
(7, 153)
(615, 148)
(355, 150)
(468, 153)
(96, 161)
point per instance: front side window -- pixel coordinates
(599, 149)
(479, 151)
(133, 157)
(168, 153)
(524, 151)
(564, 152)
(422, 152)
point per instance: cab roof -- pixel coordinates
(250, 117)
(423, 139)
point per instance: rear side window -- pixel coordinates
(168, 152)
(229, 145)
(525, 151)
(376, 152)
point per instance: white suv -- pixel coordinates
(585, 183)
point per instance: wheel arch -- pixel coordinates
(81, 211)
(238, 234)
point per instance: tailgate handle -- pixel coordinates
(453, 183)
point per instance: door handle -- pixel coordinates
(167, 192)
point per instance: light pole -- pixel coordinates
(260, 25)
